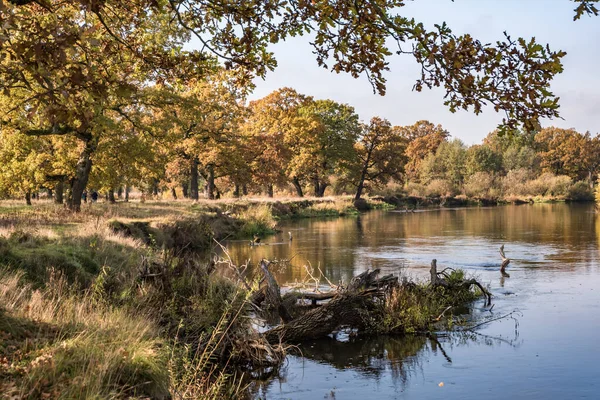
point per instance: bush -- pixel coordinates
(413, 307)
(188, 235)
(416, 190)
(440, 188)
(549, 184)
(392, 188)
(581, 191)
(336, 208)
(514, 182)
(481, 184)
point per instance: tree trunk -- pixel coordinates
(322, 187)
(174, 193)
(50, 193)
(245, 189)
(270, 190)
(361, 183)
(359, 189)
(28, 198)
(363, 174)
(155, 187)
(273, 293)
(296, 183)
(194, 195)
(59, 191)
(126, 194)
(236, 191)
(120, 192)
(184, 189)
(111, 196)
(82, 174)
(210, 182)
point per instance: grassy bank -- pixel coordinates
(120, 302)
(103, 305)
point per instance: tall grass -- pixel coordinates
(335, 208)
(417, 307)
(103, 330)
(60, 345)
(257, 220)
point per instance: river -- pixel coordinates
(550, 349)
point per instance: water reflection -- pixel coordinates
(314, 370)
(548, 235)
(553, 280)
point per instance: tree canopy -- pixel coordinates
(101, 78)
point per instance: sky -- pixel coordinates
(550, 21)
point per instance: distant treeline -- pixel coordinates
(205, 137)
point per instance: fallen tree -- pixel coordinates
(360, 306)
(348, 307)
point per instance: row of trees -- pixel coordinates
(203, 135)
(116, 85)
(545, 162)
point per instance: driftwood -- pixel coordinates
(437, 279)
(352, 306)
(505, 262)
(312, 296)
(349, 307)
(273, 293)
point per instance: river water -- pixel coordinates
(550, 350)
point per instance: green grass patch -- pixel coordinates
(416, 307)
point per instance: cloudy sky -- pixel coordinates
(550, 21)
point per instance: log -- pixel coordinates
(273, 293)
(349, 307)
(505, 262)
(312, 296)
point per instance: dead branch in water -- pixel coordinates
(436, 280)
(505, 262)
(349, 307)
(273, 293)
(356, 306)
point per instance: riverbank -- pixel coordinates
(98, 303)
(415, 202)
(120, 302)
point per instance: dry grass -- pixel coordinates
(333, 208)
(60, 345)
(257, 220)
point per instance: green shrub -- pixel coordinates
(581, 191)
